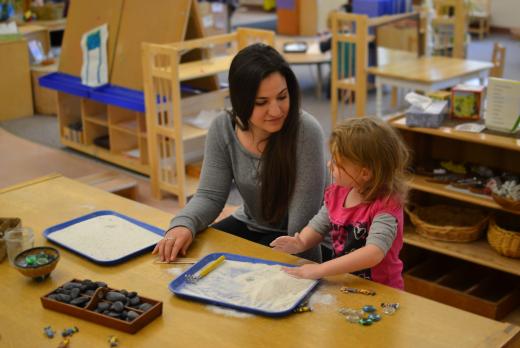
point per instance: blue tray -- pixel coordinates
(47, 233)
(65, 83)
(119, 96)
(178, 283)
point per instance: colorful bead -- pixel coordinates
(369, 309)
(374, 317)
(357, 291)
(302, 309)
(49, 332)
(365, 321)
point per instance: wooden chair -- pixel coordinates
(349, 62)
(480, 17)
(498, 59)
(450, 26)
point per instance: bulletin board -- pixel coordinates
(160, 21)
(83, 16)
(130, 23)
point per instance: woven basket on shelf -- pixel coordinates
(49, 11)
(506, 202)
(448, 223)
(504, 241)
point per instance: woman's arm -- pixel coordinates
(310, 180)
(210, 198)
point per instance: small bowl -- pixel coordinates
(37, 271)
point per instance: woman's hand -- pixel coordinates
(309, 271)
(288, 244)
(177, 239)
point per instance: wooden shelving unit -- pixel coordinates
(478, 252)
(492, 150)
(164, 70)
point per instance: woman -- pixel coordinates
(271, 150)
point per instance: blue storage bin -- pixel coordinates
(107, 94)
(65, 83)
(372, 8)
(119, 96)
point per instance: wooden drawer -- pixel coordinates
(460, 284)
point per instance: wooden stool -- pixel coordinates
(113, 182)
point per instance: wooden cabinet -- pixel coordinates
(163, 72)
(471, 276)
(15, 80)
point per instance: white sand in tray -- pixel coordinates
(259, 286)
(105, 237)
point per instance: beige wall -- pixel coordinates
(505, 13)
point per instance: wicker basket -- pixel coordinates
(49, 11)
(504, 241)
(506, 202)
(448, 223)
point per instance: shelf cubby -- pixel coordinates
(94, 112)
(461, 284)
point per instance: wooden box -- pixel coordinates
(467, 102)
(88, 313)
(461, 284)
(288, 14)
(38, 33)
(15, 81)
(6, 224)
(45, 100)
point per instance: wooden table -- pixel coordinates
(427, 74)
(50, 200)
(313, 56)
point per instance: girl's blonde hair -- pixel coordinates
(373, 144)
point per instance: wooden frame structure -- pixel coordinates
(163, 72)
(457, 22)
(498, 59)
(480, 17)
(349, 62)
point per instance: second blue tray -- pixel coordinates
(49, 231)
(178, 283)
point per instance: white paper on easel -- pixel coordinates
(503, 105)
(94, 71)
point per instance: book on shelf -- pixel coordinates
(503, 105)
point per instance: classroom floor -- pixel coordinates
(30, 146)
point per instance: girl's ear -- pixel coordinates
(366, 174)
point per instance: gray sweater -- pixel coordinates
(226, 160)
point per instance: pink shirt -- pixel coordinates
(351, 226)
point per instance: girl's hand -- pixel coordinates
(309, 271)
(177, 239)
(288, 244)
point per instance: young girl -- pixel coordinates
(363, 207)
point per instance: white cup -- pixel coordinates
(17, 240)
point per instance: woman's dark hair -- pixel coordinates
(278, 169)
